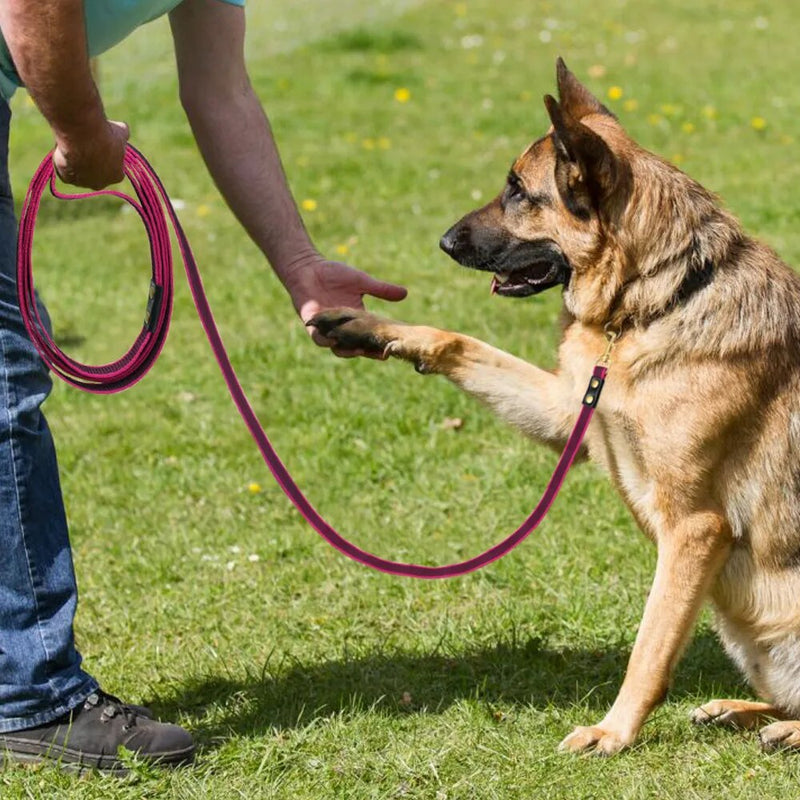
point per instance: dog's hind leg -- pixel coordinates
(780, 734)
(739, 714)
(784, 735)
(770, 663)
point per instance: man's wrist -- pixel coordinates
(79, 127)
(290, 267)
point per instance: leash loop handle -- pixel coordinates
(154, 208)
(143, 353)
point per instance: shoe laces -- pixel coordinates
(112, 707)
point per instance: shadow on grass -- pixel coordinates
(288, 695)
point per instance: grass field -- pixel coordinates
(203, 593)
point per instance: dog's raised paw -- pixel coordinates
(327, 321)
(350, 328)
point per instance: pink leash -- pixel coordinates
(114, 377)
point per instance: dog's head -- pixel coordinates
(552, 220)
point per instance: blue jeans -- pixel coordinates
(40, 670)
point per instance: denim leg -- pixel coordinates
(40, 673)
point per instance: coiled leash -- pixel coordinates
(155, 209)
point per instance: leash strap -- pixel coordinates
(154, 208)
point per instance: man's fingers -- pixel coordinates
(374, 354)
(60, 165)
(319, 339)
(339, 353)
(93, 161)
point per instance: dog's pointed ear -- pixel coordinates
(575, 98)
(587, 172)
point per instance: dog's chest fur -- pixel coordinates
(618, 439)
(618, 444)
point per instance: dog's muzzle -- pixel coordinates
(521, 268)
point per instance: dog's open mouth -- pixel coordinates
(533, 279)
(521, 267)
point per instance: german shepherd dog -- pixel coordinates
(699, 423)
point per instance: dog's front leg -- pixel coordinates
(536, 401)
(689, 556)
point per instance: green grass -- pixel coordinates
(303, 675)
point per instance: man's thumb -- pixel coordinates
(123, 126)
(387, 291)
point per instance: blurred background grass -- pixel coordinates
(203, 593)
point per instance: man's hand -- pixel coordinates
(318, 284)
(47, 41)
(93, 159)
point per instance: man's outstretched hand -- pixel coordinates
(318, 284)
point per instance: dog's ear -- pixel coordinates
(587, 172)
(575, 98)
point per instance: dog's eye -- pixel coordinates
(516, 192)
(514, 188)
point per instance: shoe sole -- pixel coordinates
(76, 761)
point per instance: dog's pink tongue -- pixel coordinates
(494, 284)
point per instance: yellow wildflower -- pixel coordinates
(758, 123)
(254, 488)
(309, 205)
(402, 95)
(615, 92)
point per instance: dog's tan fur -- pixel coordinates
(699, 423)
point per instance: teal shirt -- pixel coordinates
(108, 22)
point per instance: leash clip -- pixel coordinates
(611, 338)
(592, 394)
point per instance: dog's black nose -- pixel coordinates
(451, 240)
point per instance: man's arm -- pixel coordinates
(47, 40)
(236, 142)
